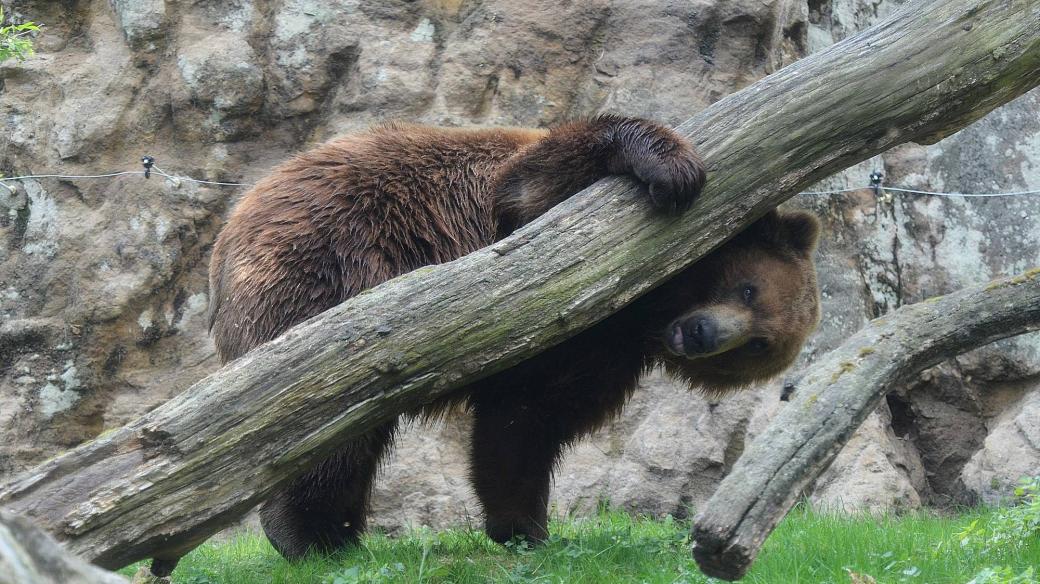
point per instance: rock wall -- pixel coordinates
(102, 281)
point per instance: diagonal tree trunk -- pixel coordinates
(169, 479)
(837, 394)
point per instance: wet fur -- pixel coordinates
(362, 209)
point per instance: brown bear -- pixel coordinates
(364, 208)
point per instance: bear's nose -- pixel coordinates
(700, 335)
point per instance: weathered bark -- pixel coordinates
(28, 555)
(834, 397)
(176, 475)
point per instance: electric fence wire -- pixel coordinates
(149, 167)
(919, 192)
(149, 163)
(160, 172)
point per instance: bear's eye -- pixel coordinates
(758, 345)
(749, 293)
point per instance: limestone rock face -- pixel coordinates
(664, 455)
(223, 70)
(887, 474)
(103, 281)
(143, 21)
(1011, 448)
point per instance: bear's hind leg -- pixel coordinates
(326, 509)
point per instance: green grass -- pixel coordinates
(807, 547)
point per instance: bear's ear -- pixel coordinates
(795, 231)
(799, 231)
(765, 228)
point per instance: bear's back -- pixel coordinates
(348, 215)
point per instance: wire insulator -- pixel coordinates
(875, 182)
(147, 162)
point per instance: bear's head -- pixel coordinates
(748, 307)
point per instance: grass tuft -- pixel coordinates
(807, 547)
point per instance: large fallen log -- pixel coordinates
(30, 556)
(166, 481)
(834, 397)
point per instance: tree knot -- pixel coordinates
(155, 442)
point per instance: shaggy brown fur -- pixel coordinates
(362, 209)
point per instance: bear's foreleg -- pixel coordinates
(327, 508)
(575, 155)
(512, 457)
(519, 433)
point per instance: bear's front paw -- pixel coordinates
(673, 183)
(663, 161)
(503, 529)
